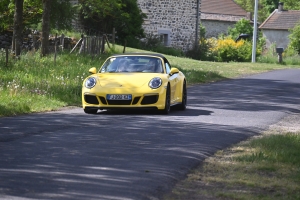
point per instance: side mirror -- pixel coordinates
(174, 71)
(93, 70)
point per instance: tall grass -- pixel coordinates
(276, 149)
(35, 84)
(289, 57)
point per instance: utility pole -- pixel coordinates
(197, 24)
(254, 32)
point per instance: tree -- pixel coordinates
(97, 15)
(61, 19)
(18, 27)
(6, 14)
(266, 7)
(242, 26)
(295, 38)
(129, 25)
(292, 4)
(45, 27)
(104, 15)
(32, 14)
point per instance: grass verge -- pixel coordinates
(263, 167)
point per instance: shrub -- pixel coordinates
(201, 52)
(242, 26)
(153, 43)
(228, 50)
(295, 38)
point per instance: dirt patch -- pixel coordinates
(290, 123)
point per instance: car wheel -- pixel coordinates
(183, 104)
(90, 111)
(167, 108)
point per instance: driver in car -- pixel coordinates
(123, 67)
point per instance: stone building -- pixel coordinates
(276, 27)
(218, 15)
(176, 21)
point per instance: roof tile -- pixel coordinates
(225, 7)
(283, 20)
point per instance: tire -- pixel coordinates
(167, 108)
(183, 104)
(90, 110)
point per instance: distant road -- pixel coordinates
(136, 155)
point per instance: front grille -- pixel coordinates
(91, 99)
(149, 99)
(119, 102)
(135, 100)
(103, 101)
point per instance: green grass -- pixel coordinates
(277, 148)
(264, 167)
(35, 84)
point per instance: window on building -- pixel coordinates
(164, 39)
(165, 36)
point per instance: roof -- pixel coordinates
(225, 7)
(281, 20)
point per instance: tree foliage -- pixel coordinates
(101, 16)
(32, 13)
(6, 14)
(62, 14)
(242, 26)
(295, 38)
(266, 7)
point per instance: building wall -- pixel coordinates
(278, 37)
(215, 28)
(215, 24)
(175, 20)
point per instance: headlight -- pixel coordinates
(90, 82)
(155, 83)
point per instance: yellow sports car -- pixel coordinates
(134, 81)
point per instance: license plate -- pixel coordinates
(118, 97)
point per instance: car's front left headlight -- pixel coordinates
(155, 83)
(90, 82)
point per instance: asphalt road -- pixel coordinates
(136, 155)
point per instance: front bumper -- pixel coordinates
(152, 98)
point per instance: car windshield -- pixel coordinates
(123, 64)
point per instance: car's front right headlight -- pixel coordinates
(90, 82)
(155, 83)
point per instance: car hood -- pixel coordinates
(125, 80)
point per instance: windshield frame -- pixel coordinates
(133, 64)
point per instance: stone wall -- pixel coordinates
(174, 20)
(215, 28)
(216, 24)
(5, 39)
(31, 39)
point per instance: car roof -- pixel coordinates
(141, 54)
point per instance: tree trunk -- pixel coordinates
(18, 27)
(45, 27)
